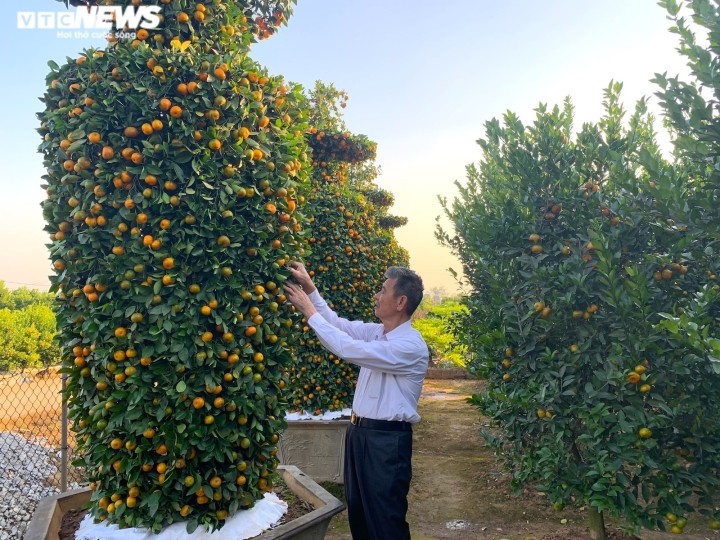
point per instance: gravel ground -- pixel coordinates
(25, 468)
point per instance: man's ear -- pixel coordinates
(401, 303)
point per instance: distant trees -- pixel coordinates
(27, 330)
(435, 320)
(22, 298)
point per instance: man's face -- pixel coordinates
(385, 300)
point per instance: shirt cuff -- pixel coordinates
(314, 294)
(315, 298)
(314, 316)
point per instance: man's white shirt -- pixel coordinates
(392, 365)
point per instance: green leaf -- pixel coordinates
(183, 157)
(178, 171)
(152, 502)
(714, 363)
(76, 134)
(192, 525)
(76, 145)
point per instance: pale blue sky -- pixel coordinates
(423, 77)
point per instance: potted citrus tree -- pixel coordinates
(175, 169)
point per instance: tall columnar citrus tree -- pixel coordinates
(579, 251)
(174, 171)
(350, 247)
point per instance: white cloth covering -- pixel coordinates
(329, 415)
(240, 526)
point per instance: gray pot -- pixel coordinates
(316, 447)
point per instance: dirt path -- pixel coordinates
(459, 490)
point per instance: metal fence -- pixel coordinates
(32, 416)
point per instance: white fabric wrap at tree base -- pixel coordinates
(244, 524)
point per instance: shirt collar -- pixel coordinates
(398, 331)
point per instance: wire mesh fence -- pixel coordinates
(32, 422)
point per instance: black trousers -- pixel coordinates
(377, 480)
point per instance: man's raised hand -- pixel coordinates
(301, 276)
(299, 298)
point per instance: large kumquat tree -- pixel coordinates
(351, 243)
(174, 170)
(594, 305)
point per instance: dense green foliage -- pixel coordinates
(594, 307)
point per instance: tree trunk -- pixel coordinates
(597, 525)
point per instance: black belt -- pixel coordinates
(384, 425)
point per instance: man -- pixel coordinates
(393, 361)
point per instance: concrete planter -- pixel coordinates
(47, 519)
(316, 447)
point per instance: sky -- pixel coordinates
(423, 78)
